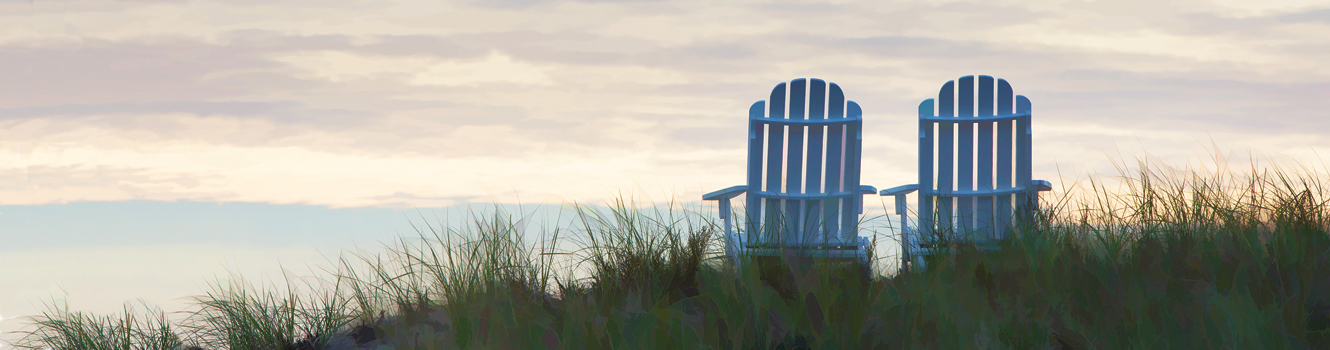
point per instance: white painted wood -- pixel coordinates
(971, 180)
(803, 174)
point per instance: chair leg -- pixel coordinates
(910, 249)
(734, 248)
(865, 256)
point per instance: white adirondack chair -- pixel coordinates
(972, 195)
(817, 215)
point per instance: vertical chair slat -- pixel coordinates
(984, 170)
(945, 157)
(794, 161)
(853, 206)
(926, 186)
(1003, 205)
(753, 207)
(817, 105)
(1028, 199)
(965, 153)
(835, 169)
(775, 145)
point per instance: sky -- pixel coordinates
(152, 145)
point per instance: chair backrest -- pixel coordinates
(809, 183)
(982, 135)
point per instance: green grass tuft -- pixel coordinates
(1167, 259)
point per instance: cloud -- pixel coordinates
(287, 111)
(131, 72)
(524, 4)
(569, 96)
(338, 66)
(1319, 15)
(495, 68)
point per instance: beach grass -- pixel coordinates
(1154, 258)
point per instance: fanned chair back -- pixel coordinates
(803, 186)
(974, 167)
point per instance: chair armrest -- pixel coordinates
(725, 193)
(1042, 185)
(899, 190)
(866, 189)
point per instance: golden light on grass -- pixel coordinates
(1168, 258)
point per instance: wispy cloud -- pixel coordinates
(394, 103)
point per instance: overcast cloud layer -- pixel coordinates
(431, 103)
